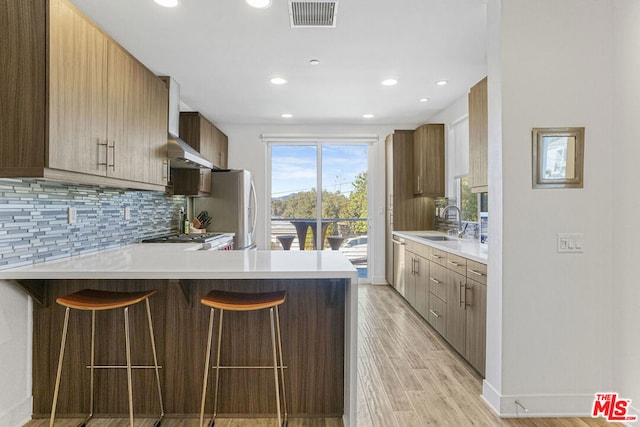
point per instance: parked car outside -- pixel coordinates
(355, 249)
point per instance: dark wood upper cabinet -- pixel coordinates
(197, 131)
(428, 160)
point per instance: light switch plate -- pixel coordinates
(570, 242)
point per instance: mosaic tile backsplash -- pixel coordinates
(34, 226)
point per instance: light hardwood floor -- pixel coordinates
(408, 376)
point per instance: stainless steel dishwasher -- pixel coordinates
(398, 264)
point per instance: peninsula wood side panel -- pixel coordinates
(312, 322)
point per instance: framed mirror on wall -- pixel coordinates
(558, 157)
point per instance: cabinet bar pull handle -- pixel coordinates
(165, 170)
(106, 152)
(435, 256)
(477, 273)
(113, 147)
(454, 263)
(417, 268)
(434, 313)
(436, 281)
(462, 292)
(467, 304)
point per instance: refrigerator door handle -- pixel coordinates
(253, 209)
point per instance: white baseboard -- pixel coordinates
(378, 280)
(19, 415)
(538, 405)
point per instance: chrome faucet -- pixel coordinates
(460, 229)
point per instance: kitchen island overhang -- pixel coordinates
(316, 280)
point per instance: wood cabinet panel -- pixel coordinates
(439, 256)
(477, 271)
(456, 316)
(476, 324)
(438, 281)
(437, 313)
(159, 162)
(77, 92)
(428, 160)
(80, 117)
(22, 86)
(478, 137)
(457, 263)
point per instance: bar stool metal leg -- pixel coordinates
(93, 363)
(275, 366)
(59, 373)
(128, 350)
(285, 420)
(206, 367)
(215, 393)
(155, 363)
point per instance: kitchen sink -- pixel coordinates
(437, 238)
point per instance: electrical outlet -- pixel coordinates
(570, 242)
(72, 215)
(127, 213)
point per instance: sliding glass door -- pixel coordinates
(319, 199)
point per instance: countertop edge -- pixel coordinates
(481, 258)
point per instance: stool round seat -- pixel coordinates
(239, 301)
(92, 299)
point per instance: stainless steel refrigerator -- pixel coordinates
(232, 206)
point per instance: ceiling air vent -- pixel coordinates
(318, 13)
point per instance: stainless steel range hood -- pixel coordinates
(181, 155)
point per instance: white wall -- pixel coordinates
(550, 314)
(247, 151)
(15, 355)
(626, 198)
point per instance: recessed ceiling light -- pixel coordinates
(389, 82)
(368, 116)
(286, 115)
(167, 3)
(442, 82)
(278, 81)
(314, 62)
(260, 4)
(424, 99)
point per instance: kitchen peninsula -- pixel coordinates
(319, 326)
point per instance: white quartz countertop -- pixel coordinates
(467, 248)
(184, 261)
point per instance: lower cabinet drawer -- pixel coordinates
(438, 281)
(437, 310)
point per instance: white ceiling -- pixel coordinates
(223, 53)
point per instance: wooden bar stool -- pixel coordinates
(235, 301)
(95, 300)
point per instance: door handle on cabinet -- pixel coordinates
(455, 264)
(436, 256)
(434, 313)
(106, 153)
(165, 170)
(112, 147)
(477, 273)
(461, 300)
(436, 281)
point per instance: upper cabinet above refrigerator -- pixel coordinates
(207, 139)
